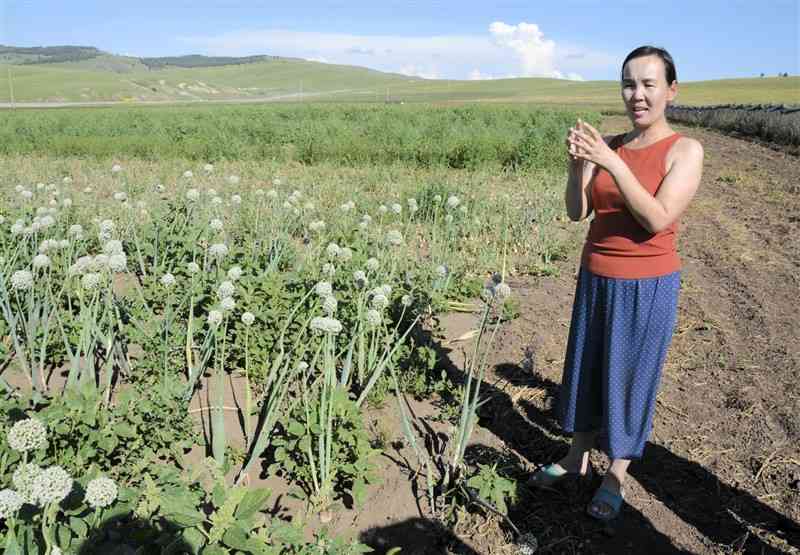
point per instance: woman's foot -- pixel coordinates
(552, 474)
(607, 501)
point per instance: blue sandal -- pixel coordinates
(605, 498)
(552, 474)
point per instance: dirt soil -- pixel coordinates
(721, 473)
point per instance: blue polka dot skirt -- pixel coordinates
(618, 340)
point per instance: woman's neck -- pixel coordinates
(650, 134)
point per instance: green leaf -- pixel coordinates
(252, 502)
(215, 550)
(194, 539)
(12, 547)
(296, 428)
(78, 526)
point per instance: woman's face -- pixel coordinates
(645, 90)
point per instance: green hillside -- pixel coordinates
(85, 74)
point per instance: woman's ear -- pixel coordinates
(672, 92)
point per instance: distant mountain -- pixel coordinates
(30, 55)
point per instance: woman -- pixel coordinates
(638, 184)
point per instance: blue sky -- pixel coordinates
(575, 39)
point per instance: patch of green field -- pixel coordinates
(513, 136)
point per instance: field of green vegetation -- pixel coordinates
(503, 137)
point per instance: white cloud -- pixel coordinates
(505, 51)
(417, 71)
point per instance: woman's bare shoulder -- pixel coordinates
(685, 148)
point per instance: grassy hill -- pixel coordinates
(85, 74)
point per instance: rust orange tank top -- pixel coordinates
(617, 245)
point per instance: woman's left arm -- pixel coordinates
(654, 213)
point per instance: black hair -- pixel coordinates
(669, 65)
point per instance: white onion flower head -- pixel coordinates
(382, 209)
(227, 304)
(167, 280)
(48, 245)
(66, 203)
(363, 225)
(216, 224)
(19, 188)
(397, 208)
(234, 273)
(21, 280)
(248, 318)
(216, 201)
(218, 250)
(107, 226)
(328, 269)
(326, 325)
(236, 199)
(412, 205)
(39, 186)
(17, 228)
(27, 195)
(379, 301)
(276, 182)
(442, 271)
(75, 230)
(116, 168)
(52, 485)
(88, 190)
(118, 262)
(453, 201)
(67, 179)
(233, 179)
(226, 289)
(346, 254)
(373, 264)
(100, 262)
(214, 317)
(101, 492)
(120, 196)
(90, 281)
(10, 503)
(193, 195)
(394, 238)
(448, 219)
(41, 261)
(315, 226)
(373, 317)
(208, 168)
(27, 435)
(47, 221)
(384, 290)
(23, 478)
(193, 267)
(360, 277)
(332, 250)
(502, 290)
(329, 305)
(366, 218)
(188, 174)
(113, 246)
(406, 300)
(323, 289)
(63, 243)
(80, 266)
